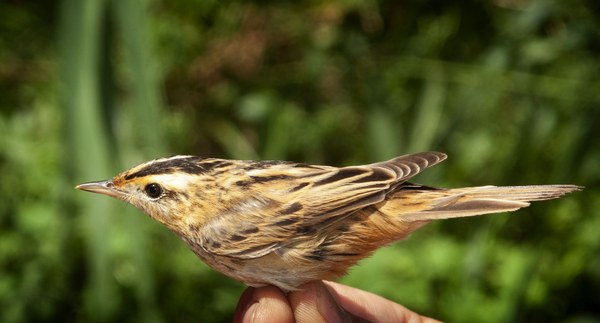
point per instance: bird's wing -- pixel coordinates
(285, 201)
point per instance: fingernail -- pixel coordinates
(248, 316)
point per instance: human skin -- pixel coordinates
(320, 301)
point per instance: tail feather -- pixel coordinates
(471, 201)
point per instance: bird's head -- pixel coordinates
(167, 189)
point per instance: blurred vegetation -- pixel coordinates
(510, 89)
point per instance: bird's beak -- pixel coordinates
(102, 187)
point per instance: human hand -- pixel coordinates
(320, 301)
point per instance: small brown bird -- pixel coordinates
(286, 224)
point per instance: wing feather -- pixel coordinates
(304, 199)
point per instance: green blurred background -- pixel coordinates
(510, 89)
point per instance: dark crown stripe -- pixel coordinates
(189, 165)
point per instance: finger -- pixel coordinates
(263, 304)
(373, 307)
(243, 304)
(314, 303)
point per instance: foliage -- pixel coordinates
(508, 88)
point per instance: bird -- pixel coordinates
(286, 224)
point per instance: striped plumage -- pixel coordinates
(285, 224)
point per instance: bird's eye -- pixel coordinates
(153, 190)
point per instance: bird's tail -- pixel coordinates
(424, 204)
